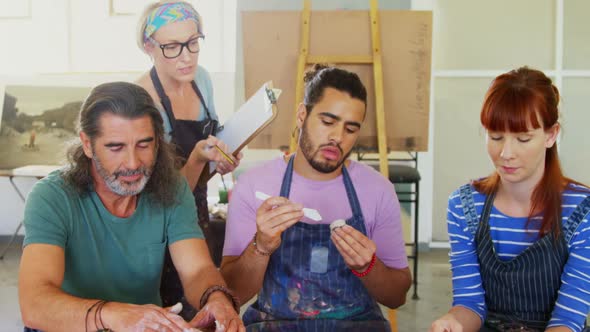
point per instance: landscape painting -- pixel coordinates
(36, 123)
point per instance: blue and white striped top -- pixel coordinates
(510, 238)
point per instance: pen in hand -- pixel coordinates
(228, 158)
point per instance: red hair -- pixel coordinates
(515, 101)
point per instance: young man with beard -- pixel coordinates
(96, 230)
(299, 268)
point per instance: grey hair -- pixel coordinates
(129, 101)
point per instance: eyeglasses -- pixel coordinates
(173, 50)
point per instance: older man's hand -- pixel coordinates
(219, 313)
(123, 317)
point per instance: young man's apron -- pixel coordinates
(307, 278)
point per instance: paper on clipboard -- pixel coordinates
(249, 120)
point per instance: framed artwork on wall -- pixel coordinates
(37, 122)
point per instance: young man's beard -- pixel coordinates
(307, 149)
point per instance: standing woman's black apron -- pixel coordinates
(185, 134)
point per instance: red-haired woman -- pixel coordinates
(520, 238)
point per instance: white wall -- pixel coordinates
(474, 41)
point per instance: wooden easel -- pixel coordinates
(375, 59)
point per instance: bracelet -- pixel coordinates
(228, 293)
(99, 311)
(88, 313)
(258, 251)
(365, 272)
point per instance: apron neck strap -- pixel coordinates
(200, 95)
(163, 98)
(166, 101)
(350, 191)
(487, 208)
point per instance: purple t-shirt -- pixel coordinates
(376, 195)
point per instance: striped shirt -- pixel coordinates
(511, 236)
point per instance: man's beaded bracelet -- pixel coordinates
(365, 272)
(228, 293)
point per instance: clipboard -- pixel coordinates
(249, 120)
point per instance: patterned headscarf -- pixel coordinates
(169, 13)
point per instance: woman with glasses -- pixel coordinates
(171, 34)
(520, 238)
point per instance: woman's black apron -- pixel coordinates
(185, 134)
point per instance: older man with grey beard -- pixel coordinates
(96, 230)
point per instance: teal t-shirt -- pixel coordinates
(107, 257)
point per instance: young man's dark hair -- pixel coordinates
(322, 76)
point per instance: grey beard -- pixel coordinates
(116, 185)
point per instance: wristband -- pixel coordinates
(258, 251)
(365, 272)
(228, 293)
(88, 313)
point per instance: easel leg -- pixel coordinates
(392, 316)
(20, 224)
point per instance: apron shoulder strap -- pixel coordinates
(466, 195)
(576, 218)
(200, 95)
(286, 183)
(163, 99)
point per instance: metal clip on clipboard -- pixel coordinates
(249, 120)
(271, 95)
